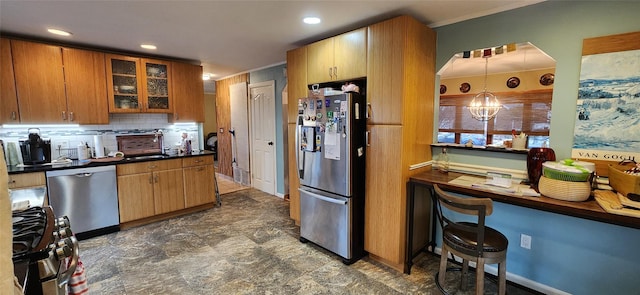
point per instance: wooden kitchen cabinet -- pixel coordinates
(149, 188)
(86, 86)
(24, 180)
(400, 88)
(168, 191)
(39, 81)
(199, 186)
(138, 85)
(296, 81)
(338, 58)
(297, 88)
(383, 191)
(9, 113)
(188, 93)
(135, 196)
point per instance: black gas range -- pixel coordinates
(45, 252)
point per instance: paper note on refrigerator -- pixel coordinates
(332, 144)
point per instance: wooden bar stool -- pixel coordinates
(470, 241)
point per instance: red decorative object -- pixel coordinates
(535, 158)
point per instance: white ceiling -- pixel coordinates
(226, 37)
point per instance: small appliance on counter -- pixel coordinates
(35, 150)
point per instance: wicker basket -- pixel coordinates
(564, 190)
(622, 182)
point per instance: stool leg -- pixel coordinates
(444, 255)
(463, 274)
(480, 276)
(502, 277)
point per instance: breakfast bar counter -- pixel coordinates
(588, 209)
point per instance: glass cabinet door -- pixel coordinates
(124, 89)
(157, 86)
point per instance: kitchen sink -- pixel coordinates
(147, 157)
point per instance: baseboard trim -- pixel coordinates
(520, 280)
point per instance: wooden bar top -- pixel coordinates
(588, 209)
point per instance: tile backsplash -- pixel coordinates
(65, 139)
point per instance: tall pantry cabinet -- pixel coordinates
(296, 88)
(400, 90)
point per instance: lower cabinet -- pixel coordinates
(153, 188)
(149, 188)
(199, 186)
(27, 180)
(135, 196)
(168, 190)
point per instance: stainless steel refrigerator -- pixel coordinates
(331, 165)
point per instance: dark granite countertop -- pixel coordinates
(89, 163)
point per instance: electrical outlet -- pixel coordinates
(525, 241)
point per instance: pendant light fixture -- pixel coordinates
(485, 105)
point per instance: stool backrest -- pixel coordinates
(479, 207)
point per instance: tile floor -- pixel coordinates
(247, 246)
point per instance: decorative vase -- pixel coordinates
(535, 158)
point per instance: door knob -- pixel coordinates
(270, 143)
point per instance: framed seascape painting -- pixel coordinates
(607, 119)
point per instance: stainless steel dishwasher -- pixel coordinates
(88, 196)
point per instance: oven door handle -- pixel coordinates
(64, 278)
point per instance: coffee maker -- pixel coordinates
(35, 150)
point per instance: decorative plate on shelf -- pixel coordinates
(547, 79)
(465, 87)
(513, 82)
(443, 89)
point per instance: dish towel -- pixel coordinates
(78, 281)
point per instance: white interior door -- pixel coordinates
(263, 134)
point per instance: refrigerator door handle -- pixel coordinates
(297, 149)
(366, 138)
(326, 199)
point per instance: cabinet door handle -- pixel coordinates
(152, 166)
(330, 73)
(150, 179)
(369, 110)
(366, 138)
(64, 115)
(200, 169)
(335, 73)
(177, 116)
(13, 116)
(71, 116)
(198, 161)
(155, 178)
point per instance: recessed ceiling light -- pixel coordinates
(59, 32)
(311, 20)
(148, 46)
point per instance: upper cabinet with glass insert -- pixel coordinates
(138, 85)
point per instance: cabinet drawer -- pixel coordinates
(27, 180)
(197, 161)
(151, 166)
